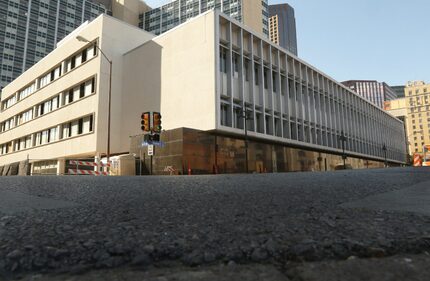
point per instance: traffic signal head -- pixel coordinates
(146, 119)
(156, 116)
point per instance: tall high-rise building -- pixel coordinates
(29, 30)
(374, 91)
(417, 95)
(252, 13)
(282, 27)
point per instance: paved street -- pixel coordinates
(295, 226)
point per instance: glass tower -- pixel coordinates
(30, 29)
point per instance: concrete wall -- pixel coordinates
(142, 85)
(129, 10)
(252, 15)
(117, 39)
(188, 74)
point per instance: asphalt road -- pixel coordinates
(269, 225)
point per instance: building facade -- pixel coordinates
(289, 102)
(282, 27)
(59, 108)
(373, 91)
(201, 76)
(29, 30)
(252, 13)
(417, 95)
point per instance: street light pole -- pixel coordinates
(82, 39)
(384, 148)
(343, 139)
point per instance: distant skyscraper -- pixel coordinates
(374, 91)
(399, 90)
(30, 29)
(253, 13)
(282, 27)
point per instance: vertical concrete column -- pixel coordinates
(61, 166)
(59, 133)
(61, 102)
(97, 160)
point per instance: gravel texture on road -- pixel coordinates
(206, 220)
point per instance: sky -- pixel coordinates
(384, 40)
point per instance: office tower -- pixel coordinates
(29, 30)
(282, 27)
(252, 13)
(373, 91)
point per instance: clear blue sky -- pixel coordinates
(384, 40)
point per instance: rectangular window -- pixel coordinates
(93, 85)
(73, 62)
(84, 56)
(256, 77)
(265, 78)
(82, 90)
(91, 123)
(70, 95)
(80, 126)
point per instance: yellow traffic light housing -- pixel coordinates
(146, 119)
(156, 121)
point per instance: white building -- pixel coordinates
(58, 108)
(199, 75)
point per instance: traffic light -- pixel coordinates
(156, 121)
(146, 119)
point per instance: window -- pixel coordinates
(70, 96)
(84, 56)
(82, 90)
(93, 85)
(265, 78)
(27, 91)
(80, 126)
(223, 60)
(73, 62)
(256, 77)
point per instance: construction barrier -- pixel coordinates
(90, 164)
(78, 171)
(417, 160)
(87, 172)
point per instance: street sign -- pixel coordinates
(156, 143)
(150, 150)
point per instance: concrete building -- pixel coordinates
(282, 27)
(252, 13)
(398, 108)
(201, 76)
(417, 95)
(58, 108)
(29, 30)
(399, 90)
(373, 91)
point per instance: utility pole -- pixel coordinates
(343, 140)
(384, 148)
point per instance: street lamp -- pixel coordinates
(82, 39)
(244, 114)
(342, 138)
(384, 148)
